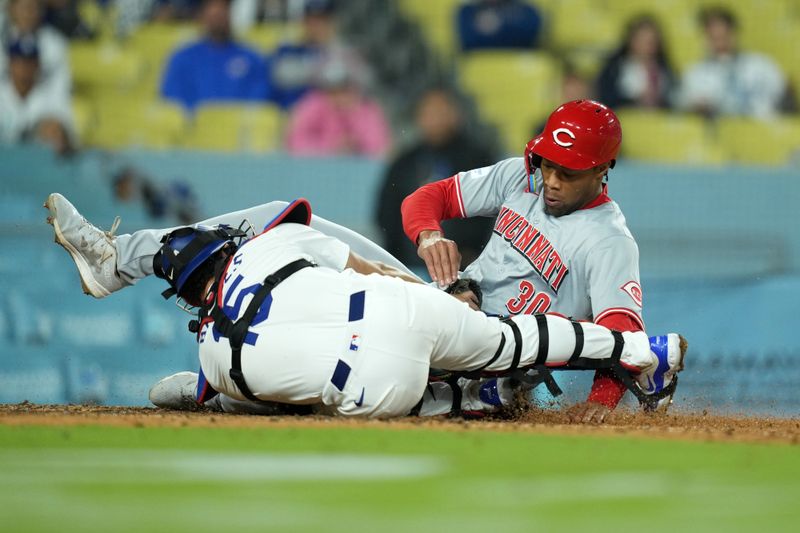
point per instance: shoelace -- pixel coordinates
(108, 236)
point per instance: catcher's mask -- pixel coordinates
(184, 250)
(578, 135)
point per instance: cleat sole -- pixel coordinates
(84, 270)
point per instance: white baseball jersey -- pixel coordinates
(364, 344)
(584, 265)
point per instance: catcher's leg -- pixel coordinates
(467, 340)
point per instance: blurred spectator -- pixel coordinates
(730, 81)
(638, 74)
(29, 110)
(215, 68)
(25, 20)
(574, 86)
(64, 16)
(443, 149)
(498, 24)
(292, 66)
(337, 118)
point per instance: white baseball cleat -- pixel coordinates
(176, 392)
(92, 249)
(660, 380)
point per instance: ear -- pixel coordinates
(602, 170)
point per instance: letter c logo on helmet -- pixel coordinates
(578, 135)
(565, 144)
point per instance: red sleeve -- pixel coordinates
(426, 207)
(606, 388)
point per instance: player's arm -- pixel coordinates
(422, 212)
(328, 251)
(478, 192)
(365, 266)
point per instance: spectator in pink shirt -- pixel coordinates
(337, 118)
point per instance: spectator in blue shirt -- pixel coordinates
(486, 24)
(293, 66)
(215, 68)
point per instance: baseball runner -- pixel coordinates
(282, 318)
(559, 245)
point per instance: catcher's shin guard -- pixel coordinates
(549, 342)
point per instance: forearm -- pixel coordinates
(366, 267)
(388, 270)
(425, 208)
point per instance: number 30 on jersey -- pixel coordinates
(528, 301)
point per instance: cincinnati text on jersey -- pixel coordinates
(532, 245)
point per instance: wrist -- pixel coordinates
(428, 234)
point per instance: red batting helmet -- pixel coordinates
(578, 135)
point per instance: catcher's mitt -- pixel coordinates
(464, 285)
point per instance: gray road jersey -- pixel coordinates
(583, 265)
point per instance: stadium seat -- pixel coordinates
(437, 20)
(668, 138)
(267, 37)
(98, 18)
(514, 90)
(586, 24)
(754, 141)
(154, 43)
(98, 67)
(83, 115)
(123, 121)
(235, 127)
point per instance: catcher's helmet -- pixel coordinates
(186, 249)
(578, 135)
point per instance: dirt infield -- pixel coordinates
(696, 427)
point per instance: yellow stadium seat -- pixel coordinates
(754, 141)
(582, 24)
(123, 121)
(236, 127)
(160, 39)
(94, 16)
(437, 20)
(155, 43)
(267, 37)
(514, 90)
(668, 138)
(83, 116)
(102, 66)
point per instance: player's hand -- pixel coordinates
(470, 297)
(441, 256)
(588, 413)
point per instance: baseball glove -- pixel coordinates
(466, 284)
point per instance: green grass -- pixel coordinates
(351, 479)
